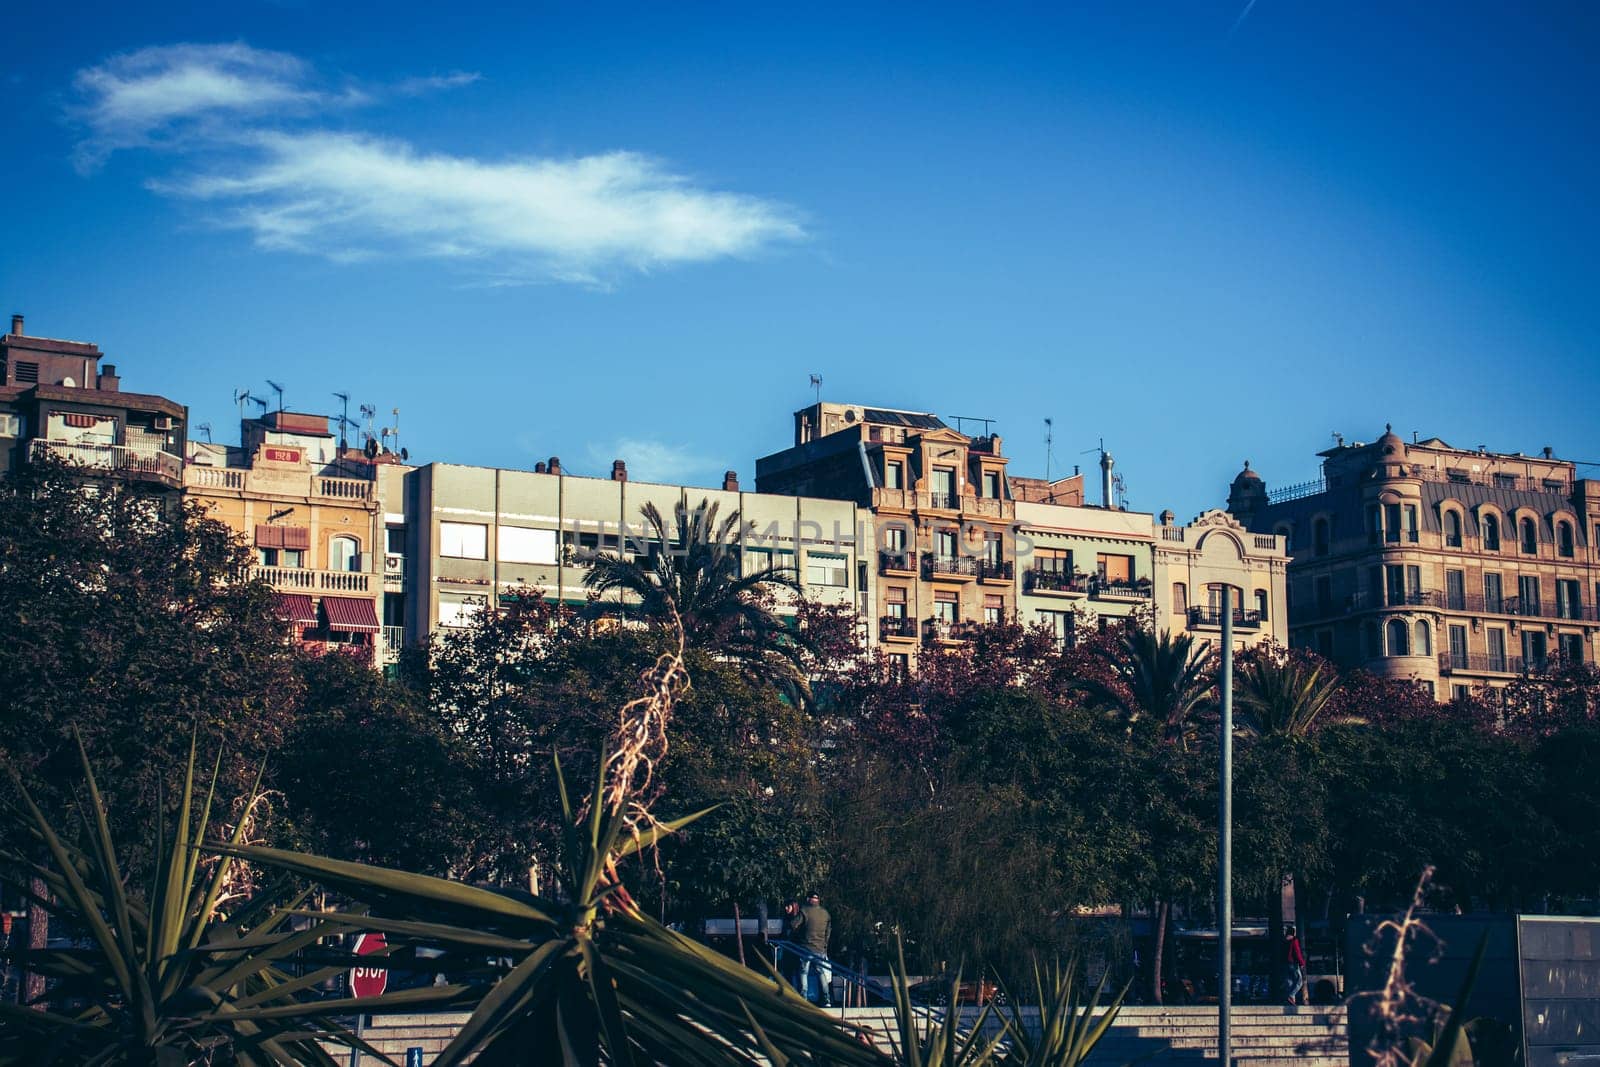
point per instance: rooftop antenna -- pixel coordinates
(205, 428)
(1338, 439)
(369, 412)
(242, 397)
(276, 388)
(344, 417)
(816, 383)
(1049, 445)
(396, 413)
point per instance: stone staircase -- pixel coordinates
(1262, 1036)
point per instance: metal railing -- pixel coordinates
(1211, 618)
(897, 626)
(394, 639)
(119, 459)
(1478, 662)
(1106, 587)
(300, 578)
(896, 559)
(991, 570)
(959, 566)
(1299, 491)
(858, 987)
(943, 501)
(1038, 580)
(945, 630)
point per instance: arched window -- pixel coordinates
(1564, 539)
(1452, 529)
(1491, 533)
(1370, 644)
(1399, 645)
(1424, 645)
(1319, 536)
(344, 554)
(1530, 537)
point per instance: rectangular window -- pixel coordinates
(1180, 598)
(1455, 590)
(894, 474)
(517, 544)
(1391, 522)
(991, 485)
(1497, 648)
(1411, 523)
(945, 544)
(460, 613)
(1535, 650)
(945, 608)
(1062, 626)
(1414, 583)
(1569, 599)
(1374, 525)
(1571, 646)
(1458, 646)
(894, 602)
(993, 549)
(944, 487)
(826, 568)
(27, 372)
(1493, 594)
(10, 425)
(1054, 560)
(994, 609)
(894, 539)
(1112, 568)
(395, 540)
(464, 540)
(1462, 693)
(1395, 583)
(1528, 594)
(899, 666)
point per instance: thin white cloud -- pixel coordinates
(140, 98)
(650, 461)
(347, 195)
(246, 121)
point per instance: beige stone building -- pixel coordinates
(1460, 568)
(1195, 562)
(313, 519)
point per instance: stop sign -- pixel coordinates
(369, 981)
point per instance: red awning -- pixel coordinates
(295, 607)
(351, 615)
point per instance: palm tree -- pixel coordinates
(1160, 677)
(696, 577)
(1284, 696)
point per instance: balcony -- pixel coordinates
(1358, 602)
(897, 628)
(996, 570)
(137, 464)
(1055, 583)
(1107, 589)
(280, 483)
(939, 501)
(300, 579)
(945, 631)
(1478, 663)
(394, 639)
(896, 561)
(959, 567)
(394, 567)
(1211, 619)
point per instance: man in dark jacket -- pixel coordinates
(814, 933)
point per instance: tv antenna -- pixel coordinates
(205, 428)
(276, 388)
(369, 413)
(258, 402)
(1049, 445)
(816, 383)
(242, 397)
(395, 430)
(344, 417)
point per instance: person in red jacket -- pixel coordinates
(1294, 959)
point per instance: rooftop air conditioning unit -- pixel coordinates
(163, 422)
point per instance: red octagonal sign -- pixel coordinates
(369, 981)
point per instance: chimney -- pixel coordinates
(555, 465)
(1106, 463)
(730, 481)
(540, 468)
(619, 471)
(108, 382)
(1549, 453)
(1167, 517)
(994, 444)
(16, 325)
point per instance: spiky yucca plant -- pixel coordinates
(164, 979)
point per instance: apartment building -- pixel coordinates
(1194, 563)
(58, 399)
(464, 537)
(937, 502)
(311, 513)
(1460, 568)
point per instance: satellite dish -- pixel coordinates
(404, 456)
(372, 448)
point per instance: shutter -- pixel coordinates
(295, 536)
(269, 536)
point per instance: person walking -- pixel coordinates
(1294, 964)
(815, 931)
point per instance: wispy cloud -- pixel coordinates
(572, 219)
(651, 461)
(248, 126)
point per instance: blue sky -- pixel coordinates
(604, 230)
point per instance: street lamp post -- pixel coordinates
(1225, 841)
